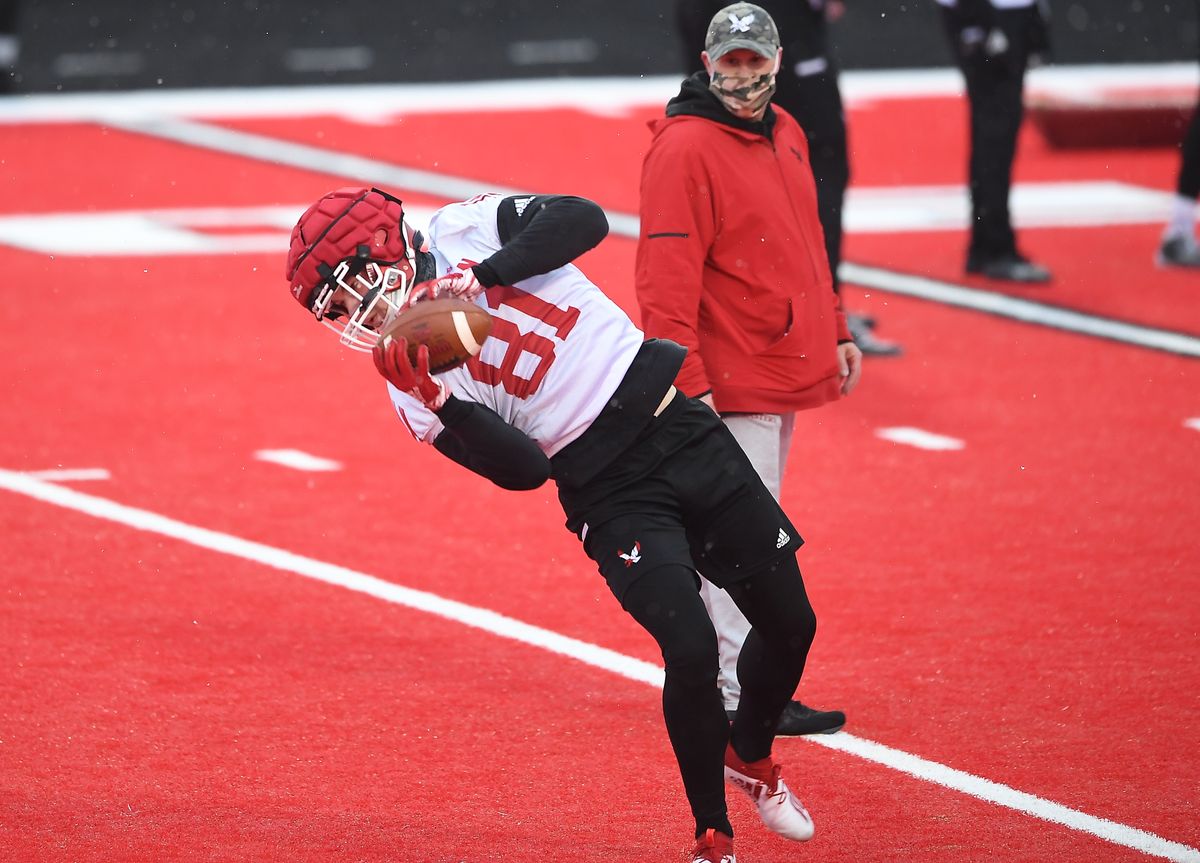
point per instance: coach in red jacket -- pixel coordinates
(731, 264)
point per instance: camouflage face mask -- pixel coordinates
(744, 96)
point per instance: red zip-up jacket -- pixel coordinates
(731, 258)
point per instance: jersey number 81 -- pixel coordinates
(505, 374)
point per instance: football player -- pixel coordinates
(566, 387)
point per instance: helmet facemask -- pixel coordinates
(354, 261)
(375, 290)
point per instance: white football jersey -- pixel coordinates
(558, 346)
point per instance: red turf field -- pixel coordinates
(1024, 609)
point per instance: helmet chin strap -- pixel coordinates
(424, 264)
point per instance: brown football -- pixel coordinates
(453, 329)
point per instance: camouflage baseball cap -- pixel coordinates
(741, 25)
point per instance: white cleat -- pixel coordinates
(779, 808)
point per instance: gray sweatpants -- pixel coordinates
(766, 439)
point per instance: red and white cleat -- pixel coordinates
(779, 808)
(714, 847)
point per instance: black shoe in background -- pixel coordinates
(1179, 251)
(871, 345)
(1009, 268)
(799, 719)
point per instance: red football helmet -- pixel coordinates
(353, 261)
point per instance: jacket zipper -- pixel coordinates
(795, 215)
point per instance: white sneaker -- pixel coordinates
(779, 808)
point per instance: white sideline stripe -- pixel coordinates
(590, 654)
(919, 438)
(69, 474)
(1019, 309)
(297, 459)
(489, 621)
(1002, 795)
(1193, 423)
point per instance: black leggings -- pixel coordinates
(666, 602)
(1188, 185)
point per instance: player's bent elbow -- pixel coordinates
(526, 481)
(590, 218)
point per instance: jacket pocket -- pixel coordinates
(808, 333)
(759, 326)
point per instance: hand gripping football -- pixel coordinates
(453, 329)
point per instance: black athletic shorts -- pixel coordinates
(683, 493)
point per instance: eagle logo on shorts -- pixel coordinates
(633, 556)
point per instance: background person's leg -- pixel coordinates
(761, 438)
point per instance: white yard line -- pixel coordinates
(919, 438)
(297, 459)
(70, 474)
(590, 654)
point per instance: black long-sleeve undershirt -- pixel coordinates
(541, 233)
(477, 438)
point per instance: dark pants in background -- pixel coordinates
(1188, 185)
(995, 88)
(816, 103)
